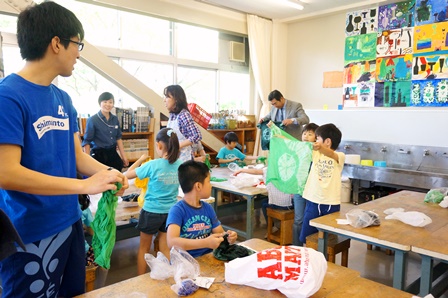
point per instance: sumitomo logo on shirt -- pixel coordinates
(47, 123)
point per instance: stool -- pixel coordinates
(286, 218)
(90, 277)
(388, 251)
(336, 244)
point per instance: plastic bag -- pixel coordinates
(413, 218)
(186, 268)
(245, 180)
(359, 218)
(436, 195)
(295, 271)
(160, 267)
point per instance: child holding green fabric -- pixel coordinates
(161, 195)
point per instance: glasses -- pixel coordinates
(80, 44)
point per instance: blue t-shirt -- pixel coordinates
(163, 185)
(42, 121)
(225, 153)
(194, 223)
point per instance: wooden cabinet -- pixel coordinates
(138, 143)
(246, 137)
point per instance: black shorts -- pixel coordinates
(151, 223)
(108, 157)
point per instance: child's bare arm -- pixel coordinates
(174, 239)
(249, 171)
(222, 160)
(130, 173)
(326, 151)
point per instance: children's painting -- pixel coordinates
(430, 11)
(429, 67)
(396, 15)
(392, 94)
(361, 22)
(366, 94)
(431, 38)
(394, 42)
(360, 48)
(396, 68)
(363, 71)
(429, 93)
(350, 95)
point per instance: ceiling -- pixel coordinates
(279, 10)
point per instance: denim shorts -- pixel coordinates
(151, 223)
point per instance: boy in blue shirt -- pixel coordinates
(229, 153)
(192, 224)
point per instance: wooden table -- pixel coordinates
(391, 234)
(144, 286)
(248, 193)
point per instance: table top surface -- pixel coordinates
(144, 286)
(228, 186)
(393, 233)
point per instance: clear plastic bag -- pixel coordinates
(359, 218)
(186, 269)
(245, 180)
(160, 267)
(436, 195)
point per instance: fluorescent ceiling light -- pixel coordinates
(293, 4)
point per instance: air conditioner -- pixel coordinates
(237, 52)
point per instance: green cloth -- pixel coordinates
(104, 227)
(215, 179)
(226, 252)
(289, 162)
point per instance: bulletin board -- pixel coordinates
(396, 55)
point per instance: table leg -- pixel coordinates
(322, 242)
(399, 266)
(426, 276)
(250, 216)
(215, 194)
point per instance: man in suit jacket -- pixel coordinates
(290, 113)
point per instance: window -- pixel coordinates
(199, 85)
(195, 43)
(234, 90)
(12, 61)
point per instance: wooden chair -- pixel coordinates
(336, 244)
(286, 218)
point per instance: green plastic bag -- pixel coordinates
(289, 162)
(104, 227)
(435, 195)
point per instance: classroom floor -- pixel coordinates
(372, 264)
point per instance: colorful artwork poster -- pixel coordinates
(430, 11)
(431, 38)
(430, 67)
(429, 93)
(360, 48)
(392, 94)
(350, 95)
(398, 68)
(361, 22)
(396, 15)
(395, 42)
(366, 94)
(363, 71)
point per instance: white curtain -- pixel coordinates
(2, 68)
(260, 48)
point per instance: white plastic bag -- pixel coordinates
(245, 180)
(295, 271)
(359, 218)
(160, 267)
(413, 218)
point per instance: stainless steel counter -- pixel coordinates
(408, 167)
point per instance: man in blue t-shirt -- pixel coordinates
(192, 224)
(40, 154)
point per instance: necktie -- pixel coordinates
(279, 116)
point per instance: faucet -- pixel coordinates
(347, 147)
(384, 149)
(402, 151)
(425, 152)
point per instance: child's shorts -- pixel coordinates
(151, 223)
